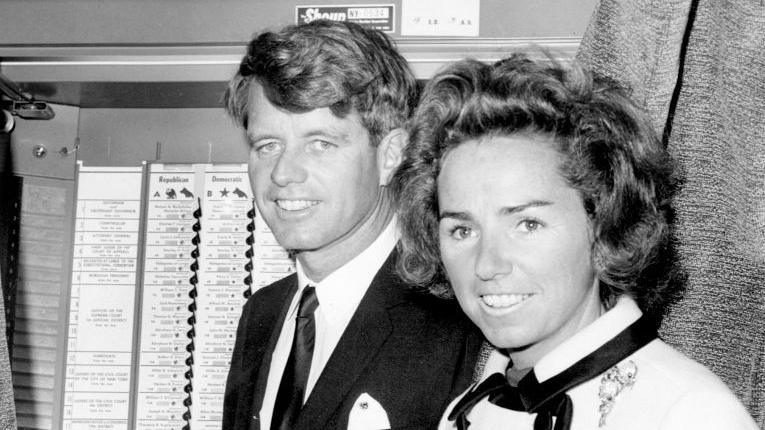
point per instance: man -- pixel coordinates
(343, 343)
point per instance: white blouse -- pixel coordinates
(670, 390)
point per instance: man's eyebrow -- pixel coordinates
(256, 136)
(507, 210)
(329, 132)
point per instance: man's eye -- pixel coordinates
(320, 145)
(267, 148)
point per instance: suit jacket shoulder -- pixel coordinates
(410, 352)
(259, 325)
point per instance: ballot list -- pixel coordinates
(201, 245)
(165, 258)
(101, 312)
(223, 263)
(167, 314)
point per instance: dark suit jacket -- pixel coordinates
(411, 352)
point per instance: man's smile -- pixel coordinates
(295, 205)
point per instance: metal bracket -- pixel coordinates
(22, 104)
(65, 152)
(31, 109)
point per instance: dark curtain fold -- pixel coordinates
(698, 66)
(7, 406)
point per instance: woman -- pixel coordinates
(545, 193)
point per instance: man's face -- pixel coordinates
(315, 177)
(516, 243)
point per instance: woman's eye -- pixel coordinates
(530, 225)
(461, 233)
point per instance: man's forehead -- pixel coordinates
(264, 118)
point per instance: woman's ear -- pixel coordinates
(390, 153)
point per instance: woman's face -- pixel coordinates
(516, 244)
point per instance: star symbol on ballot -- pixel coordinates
(224, 192)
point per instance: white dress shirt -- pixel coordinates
(671, 391)
(339, 295)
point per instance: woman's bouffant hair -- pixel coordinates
(609, 153)
(339, 65)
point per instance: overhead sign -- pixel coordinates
(376, 16)
(440, 17)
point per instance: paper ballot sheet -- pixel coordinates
(165, 257)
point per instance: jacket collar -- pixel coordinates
(367, 331)
(265, 328)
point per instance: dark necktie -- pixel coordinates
(548, 399)
(289, 398)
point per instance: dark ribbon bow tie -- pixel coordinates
(548, 399)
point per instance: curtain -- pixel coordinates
(7, 407)
(698, 67)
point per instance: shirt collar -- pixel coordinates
(342, 290)
(600, 331)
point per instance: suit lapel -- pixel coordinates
(367, 330)
(268, 326)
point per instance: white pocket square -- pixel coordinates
(367, 414)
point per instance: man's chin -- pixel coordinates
(296, 245)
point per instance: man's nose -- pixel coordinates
(289, 168)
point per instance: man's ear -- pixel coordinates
(390, 152)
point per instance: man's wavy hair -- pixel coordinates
(338, 65)
(609, 150)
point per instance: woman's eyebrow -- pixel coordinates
(507, 210)
(461, 216)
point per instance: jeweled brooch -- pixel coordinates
(613, 382)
